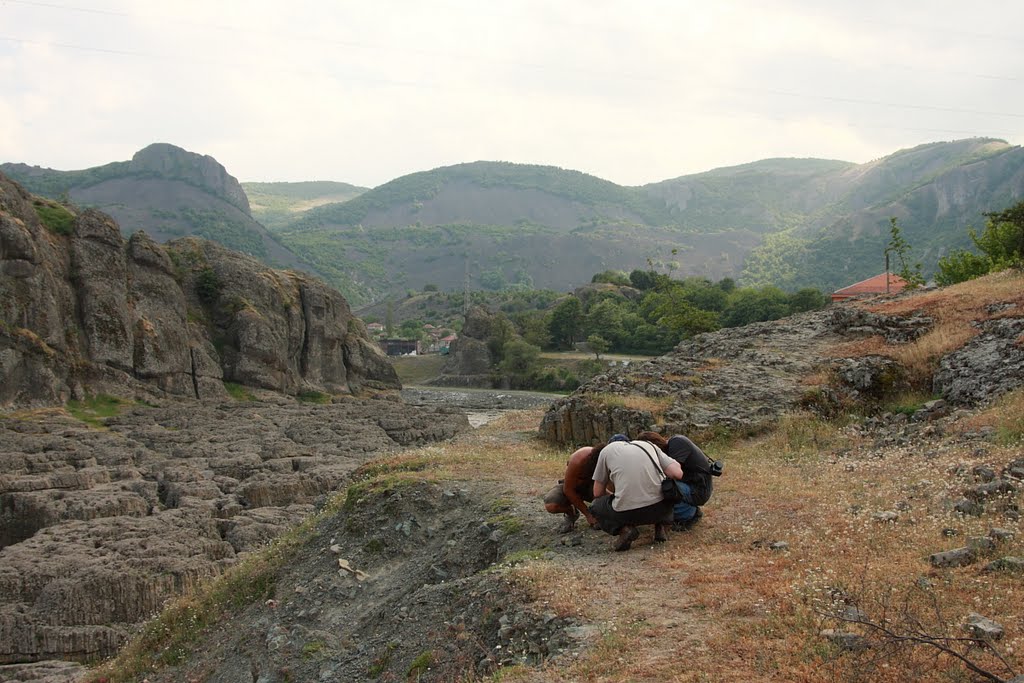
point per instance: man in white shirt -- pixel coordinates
(627, 490)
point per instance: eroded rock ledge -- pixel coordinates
(99, 527)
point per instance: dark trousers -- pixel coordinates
(612, 521)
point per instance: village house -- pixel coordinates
(885, 283)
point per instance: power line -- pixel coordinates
(419, 84)
(463, 57)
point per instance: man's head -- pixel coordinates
(618, 437)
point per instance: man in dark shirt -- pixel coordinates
(696, 483)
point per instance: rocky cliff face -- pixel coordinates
(203, 171)
(83, 310)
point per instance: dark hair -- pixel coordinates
(655, 438)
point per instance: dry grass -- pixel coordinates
(954, 310)
(1005, 415)
(717, 604)
(652, 404)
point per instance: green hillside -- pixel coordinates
(278, 204)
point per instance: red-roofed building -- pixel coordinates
(871, 287)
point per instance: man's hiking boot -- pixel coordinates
(625, 538)
(660, 533)
(688, 524)
(568, 522)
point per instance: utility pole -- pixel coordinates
(886, 271)
(465, 288)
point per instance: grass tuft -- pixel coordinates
(93, 411)
(56, 218)
(239, 392)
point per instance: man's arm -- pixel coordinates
(674, 471)
(574, 476)
(599, 488)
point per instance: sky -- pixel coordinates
(633, 91)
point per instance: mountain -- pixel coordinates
(506, 224)
(787, 222)
(277, 204)
(166, 191)
(826, 223)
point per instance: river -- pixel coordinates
(480, 405)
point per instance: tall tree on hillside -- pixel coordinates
(566, 322)
(901, 248)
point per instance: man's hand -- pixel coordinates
(592, 520)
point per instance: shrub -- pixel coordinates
(55, 217)
(208, 285)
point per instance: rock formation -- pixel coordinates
(168, 161)
(469, 360)
(744, 378)
(737, 378)
(83, 310)
(98, 527)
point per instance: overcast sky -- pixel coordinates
(634, 91)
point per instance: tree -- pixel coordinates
(598, 345)
(901, 248)
(519, 359)
(1003, 238)
(605, 318)
(566, 321)
(499, 334)
(644, 279)
(615, 277)
(960, 266)
(535, 329)
(411, 329)
(1001, 245)
(672, 311)
(748, 305)
(807, 299)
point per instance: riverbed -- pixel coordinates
(480, 405)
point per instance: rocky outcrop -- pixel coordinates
(743, 378)
(201, 170)
(989, 365)
(99, 527)
(736, 378)
(469, 360)
(82, 310)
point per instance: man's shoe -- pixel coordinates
(688, 524)
(660, 533)
(568, 522)
(625, 538)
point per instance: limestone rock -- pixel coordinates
(469, 360)
(958, 557)
(987, 366)
(83, 311)
(99, 527)
(983, 627)
(737, 378)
